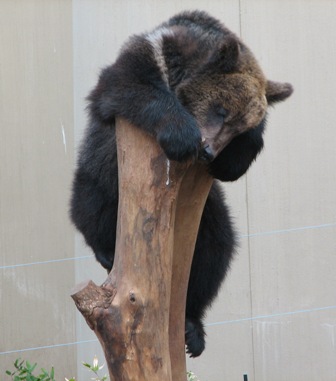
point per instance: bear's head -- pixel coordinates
(229, 95)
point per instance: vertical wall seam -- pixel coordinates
(75, 126)
(250, 269)
(240, 20)
(248, 224)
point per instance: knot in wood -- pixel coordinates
(132, 297)
(148, 228)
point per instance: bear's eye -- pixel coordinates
(216, 115)
(221, 111)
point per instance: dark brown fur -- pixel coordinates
(190, 77)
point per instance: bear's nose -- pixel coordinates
(206, 155)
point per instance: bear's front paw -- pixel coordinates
(180, 141)
(194, 338)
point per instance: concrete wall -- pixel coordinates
(275, 318)
(36, 158)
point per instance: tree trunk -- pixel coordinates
(138, 314)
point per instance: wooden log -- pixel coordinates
(192, 196)
(138, 314)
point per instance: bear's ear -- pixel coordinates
(226, 57)
(277, 91)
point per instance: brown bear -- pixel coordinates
(188, 81)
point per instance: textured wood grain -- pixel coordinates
(138, 314)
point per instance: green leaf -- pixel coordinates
(18, 364)
(32, 367)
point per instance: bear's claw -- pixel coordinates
(194, 338)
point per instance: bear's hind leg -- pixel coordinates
(213, 252)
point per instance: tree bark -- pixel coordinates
(138, 314)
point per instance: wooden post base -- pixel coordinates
(138, 314)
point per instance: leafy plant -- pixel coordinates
(24, 372)
(95, 368)
(192, 376)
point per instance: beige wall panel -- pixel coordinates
(36, 125)
(36, 154)
(37, 312)
(228, 355)
(293, 187)
(295, 347)
(293, 271)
